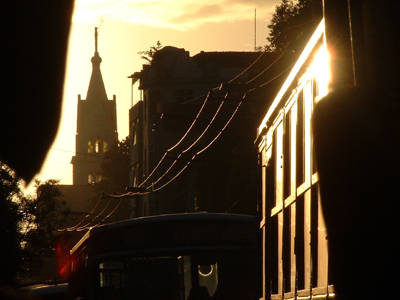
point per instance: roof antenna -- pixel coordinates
(255, 29)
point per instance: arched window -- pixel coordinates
(105, 146)
(90, 179)
(90, 147)
(98, 146)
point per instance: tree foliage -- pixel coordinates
(28, 225)
(149, 54)
(293, 23)
(42, 214)
(10, 217)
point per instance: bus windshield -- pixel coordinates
(183, 277)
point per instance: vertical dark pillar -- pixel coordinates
(357, 142)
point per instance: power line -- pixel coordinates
(179, 142)
(192, 145)
(266, 69)
(92, 154)
(205, 148)
(99, 223)
(87, 215)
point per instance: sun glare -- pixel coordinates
(321, 71)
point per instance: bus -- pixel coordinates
(172, 257)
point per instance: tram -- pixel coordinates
(329, 162)
(176, 257)
(292, 226)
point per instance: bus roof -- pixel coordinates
(165, 219)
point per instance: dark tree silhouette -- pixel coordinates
(10, 218)
(42, 214)
(293, 23)
(28, 225)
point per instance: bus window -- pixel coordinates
(201, 277)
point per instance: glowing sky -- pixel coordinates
(129, 26)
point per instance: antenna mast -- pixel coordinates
(255, 29)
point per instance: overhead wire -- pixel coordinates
(99, 223)
(104, 155)
(258, 58)
(191, 146)
(202, 150)
(87, 215)
(178, 143)
(266, 69)
(79, 228)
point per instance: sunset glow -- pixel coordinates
(129, 26)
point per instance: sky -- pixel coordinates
(129, 26)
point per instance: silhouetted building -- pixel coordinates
(181, 151)
(96, 127)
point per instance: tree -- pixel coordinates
(149, 54)
(293, 23)
(28, 225)
(10, 218)
(41, 217)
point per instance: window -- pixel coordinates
(278, 145)
(98, 146)
(90, 147)
(105, 146)
(134, 139)
(300, 140)
(98, 178)
(90, 179)
(287, 190)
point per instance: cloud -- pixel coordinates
(176, 14)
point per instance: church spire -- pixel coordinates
(95, 40)
(96, 90)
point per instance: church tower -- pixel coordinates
(96, 127)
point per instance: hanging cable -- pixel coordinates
(99, 223)
(259, 57)
(178, 143)
(188, 148)
(78, 228)
(266, 69)
(205, 148)
(87, 215)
